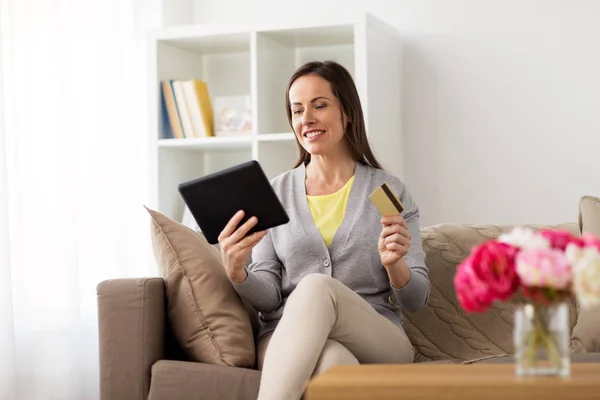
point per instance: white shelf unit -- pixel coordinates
(258, 62)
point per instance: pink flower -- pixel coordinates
(559, 239)
(544, 268)
(494, 263)
(471, 291)
(488, 274)
(591, 241)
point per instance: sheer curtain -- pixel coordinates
(73, 178)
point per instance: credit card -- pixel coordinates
(386, 201)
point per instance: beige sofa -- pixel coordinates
(139, 359)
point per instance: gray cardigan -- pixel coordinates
(291, 251)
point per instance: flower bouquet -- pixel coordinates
(540, 270)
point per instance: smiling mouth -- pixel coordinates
(313, 134)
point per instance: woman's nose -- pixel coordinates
(307, 118)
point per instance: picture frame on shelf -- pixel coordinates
(232, 115)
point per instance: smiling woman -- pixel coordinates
(322, 282)
(322, 98)
(317, 116)
(71, 185)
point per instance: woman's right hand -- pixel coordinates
(236, 246)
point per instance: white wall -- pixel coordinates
(501, 100)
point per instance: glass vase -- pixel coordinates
(541, 340)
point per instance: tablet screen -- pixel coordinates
(214, 199)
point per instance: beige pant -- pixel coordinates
(324, 323)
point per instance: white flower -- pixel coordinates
(525, 239)
(573, 253)
(587, 276)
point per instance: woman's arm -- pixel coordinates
(261, 287)
(399, 273)
(412, 293)
(402, 255)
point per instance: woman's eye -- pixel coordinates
(320, 106)
(297, 112)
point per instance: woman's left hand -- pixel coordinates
(394, 240)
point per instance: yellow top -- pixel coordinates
(328, 210)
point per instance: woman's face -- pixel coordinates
(317, 116)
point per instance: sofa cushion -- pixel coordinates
(196, 381)
(586, 334)
(443, 330)
(589, 215)
(207, 316)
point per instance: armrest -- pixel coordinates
(131, 334)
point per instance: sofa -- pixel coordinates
(141, 359)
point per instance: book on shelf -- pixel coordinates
(168, 97)
(188, 108)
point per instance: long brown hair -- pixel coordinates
(344, 89)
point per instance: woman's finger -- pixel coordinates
(241, 232)
(394, 219)
(394, 238)
(406, 233)
(390, 230)
(396, 247)
(397, 238)
(251, 240)
(231, 225)
(393, 229)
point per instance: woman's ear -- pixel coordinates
(345, 120)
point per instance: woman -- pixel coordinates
(322, 282)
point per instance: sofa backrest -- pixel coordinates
(443, 330)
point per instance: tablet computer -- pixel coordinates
(214, 199)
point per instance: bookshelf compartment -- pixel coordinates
(179, 165)
(342, 34)
(276, 157)
(280, 53)
(176, 166)
(217, 161)
(225, 70)
(343, 54)
(223, 62)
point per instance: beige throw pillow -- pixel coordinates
(208, 318)
(589, 215)
(586, 334)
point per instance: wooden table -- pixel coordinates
(447, 381)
